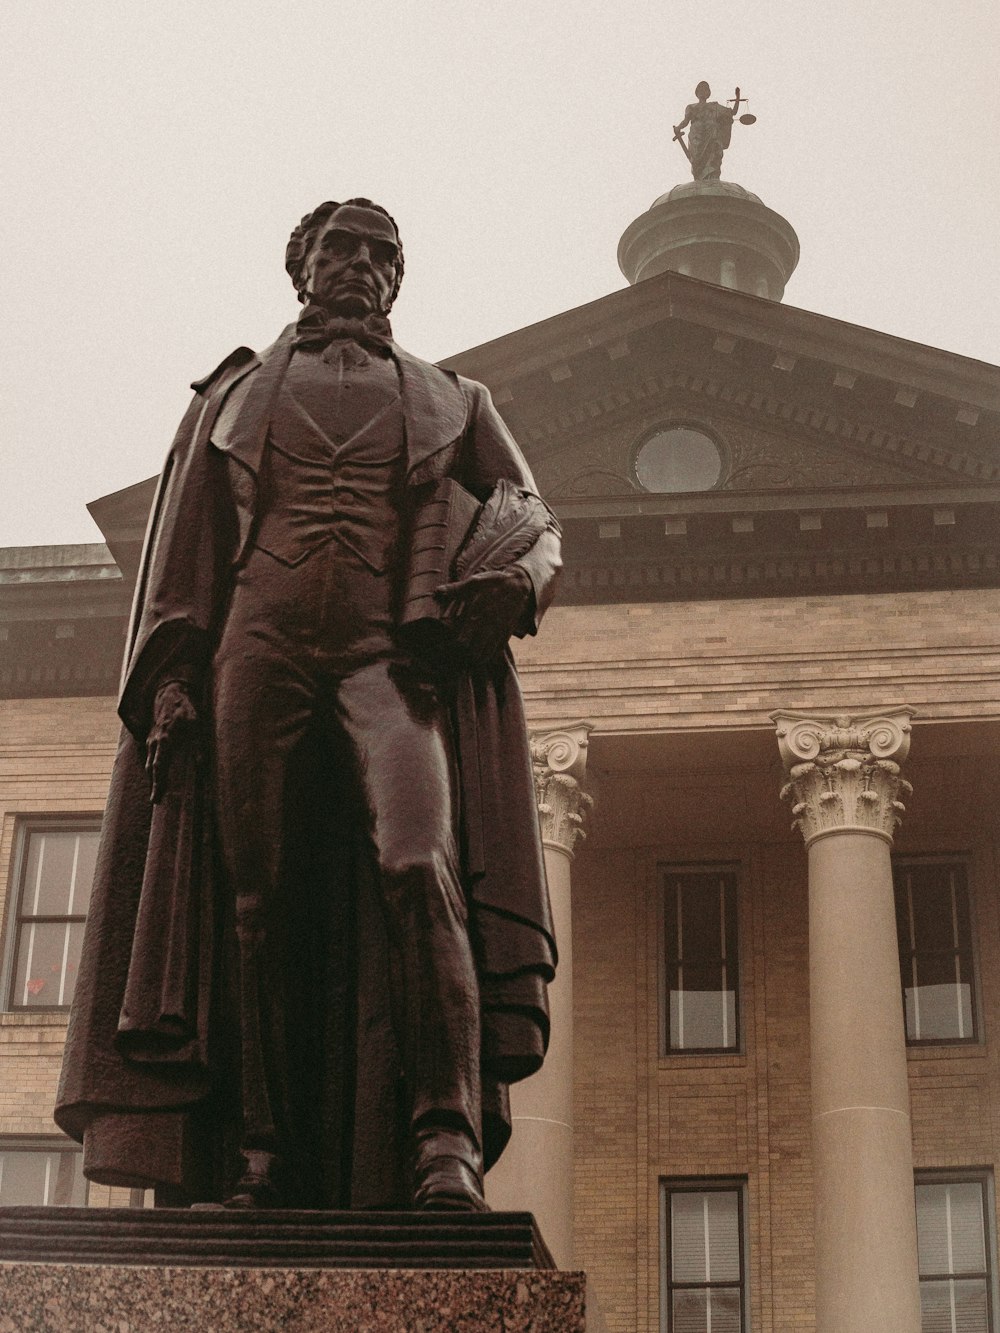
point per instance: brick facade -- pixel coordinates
(684, 769)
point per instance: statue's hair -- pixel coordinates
(301, 242)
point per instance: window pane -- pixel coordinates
(702, 921)
(705, 1236)
(954, 1307)
(932, 918)
(724, 1236)
(66, 1185)
(678, 458)
(951, 1228)
(86, 862)
(710, 1311)
(688, 1238)
(690, 1312)
(702, 960)
(939, 1013)
(935, 951)
(35, 1178)
(702, 1020)
(58, 872)
(971, 1306)
(50, 873)
(968, 1241)
(724, 1308)
(48, 954)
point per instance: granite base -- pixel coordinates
(105, 1298)
(266, 1238)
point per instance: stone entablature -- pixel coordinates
(844, 770)
(700, 666)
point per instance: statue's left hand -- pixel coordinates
(174, 714)
(485, 609)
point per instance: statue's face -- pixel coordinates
(703, 91)
(351, 268)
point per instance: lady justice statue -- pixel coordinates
(711, 130)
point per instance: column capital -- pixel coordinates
(559, 762)
(844, 770)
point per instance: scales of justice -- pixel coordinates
(710, 126)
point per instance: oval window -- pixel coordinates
(678, 458)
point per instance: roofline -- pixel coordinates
(674, 295)
(49, 557)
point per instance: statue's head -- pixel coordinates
(703, 92)
(347, 258)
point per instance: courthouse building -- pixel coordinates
(777, 1021)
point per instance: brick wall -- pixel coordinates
(55, 758)
(710, 672)
(641, 1117)
(633, 668)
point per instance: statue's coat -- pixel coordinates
(141, 1084)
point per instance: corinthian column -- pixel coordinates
(536, 1171)
(845, 785)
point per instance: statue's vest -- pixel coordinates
(332, 464)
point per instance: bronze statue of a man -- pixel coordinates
(318, 955)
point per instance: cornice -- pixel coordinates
(594, 578)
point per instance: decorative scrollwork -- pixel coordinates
(844, 770)
(559, 761)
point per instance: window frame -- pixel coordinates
(683, 422)
(719, 867)
(14, 918)
(46, 1143)
(982, 1176)
(965, 860)
(737, 1185)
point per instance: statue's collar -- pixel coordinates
(434, 407)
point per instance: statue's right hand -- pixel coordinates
(173, 715)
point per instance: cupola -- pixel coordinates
(710, 228)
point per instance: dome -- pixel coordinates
(715, 230)
(725, 189)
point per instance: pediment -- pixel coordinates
(795, 399)
(121, 517)
(777, 446)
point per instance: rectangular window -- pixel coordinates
(702, 964)
(52, 893)
(704, 1282)
(934, 932)
(41, 1172)
(954, 1244)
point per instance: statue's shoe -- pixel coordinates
(259, 1186)
(447, 1174)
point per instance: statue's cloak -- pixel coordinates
(148, 1079)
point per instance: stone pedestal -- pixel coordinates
(536, 1169)
(84, 1298)
(845, 785)
(124, 1270)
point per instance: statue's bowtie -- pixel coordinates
(316, 330)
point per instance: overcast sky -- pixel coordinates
(156, 157)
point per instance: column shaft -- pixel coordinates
(844, 781)
(866, 1248)
(536, 1170)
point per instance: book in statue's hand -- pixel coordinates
(454, 537)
